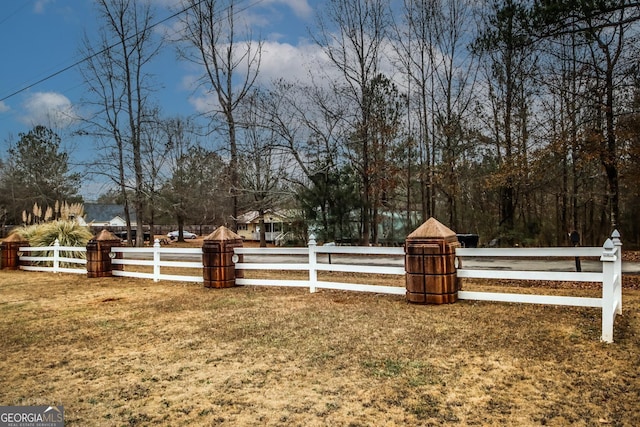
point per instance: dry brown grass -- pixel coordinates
(119, 352)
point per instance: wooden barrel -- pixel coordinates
(99, 255)
(9, 249)
(430, 264)
(219, 269)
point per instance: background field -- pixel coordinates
(132, 352)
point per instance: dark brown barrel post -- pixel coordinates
(10, 248)
(430, 253)
(217, 258)
(98, 255)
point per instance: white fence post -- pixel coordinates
(313, 261)
(156, 260)
(56, 256)
(615, 237)
(608, 260)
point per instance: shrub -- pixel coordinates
(68, 233)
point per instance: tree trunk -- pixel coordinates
(609, 159)
(263, 230)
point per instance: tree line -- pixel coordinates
(515, 120)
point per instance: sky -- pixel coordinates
(39, 38)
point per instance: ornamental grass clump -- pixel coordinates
(67, 232)
(60, 211)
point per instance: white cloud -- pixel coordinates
(278, 61)
(204, 103)
(190, 81)
(39, 5)
(3, 107)
(305, 63)
(271, 14)
(286, 61)
(301, 8)
(49, 109)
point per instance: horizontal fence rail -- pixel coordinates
(156, 258)
(350, 259)
(353, 259)
(55, 262)
(610, 256)
(530, 252)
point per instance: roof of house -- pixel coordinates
(104, 212)
(251, 216)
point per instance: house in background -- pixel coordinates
(274, 223)
(102, 215)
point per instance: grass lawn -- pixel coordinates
(118, 352)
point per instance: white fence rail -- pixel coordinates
(371, 260)
(54, 263)
(353, 260)
(153, 257)
(611, 278)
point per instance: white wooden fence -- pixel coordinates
(190, 258)
(610, 276)
(355, 259)
(140, 257)
(373, 260)
(52, 259)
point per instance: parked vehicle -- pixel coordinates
(123, 235)
(173, 235)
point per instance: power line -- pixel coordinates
(15, 12)
(87, 58)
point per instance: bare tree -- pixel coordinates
(353, 34)
(230, 61)
(265, 165)
(606, 51)
(155, 150)
(504, 42)
(431, 48)
(308, 121)
(455, 75)
(607, 30)
(119, 88)
(414, 49)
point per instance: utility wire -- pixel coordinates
(86, 58)
(11, 14)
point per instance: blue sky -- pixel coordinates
(42, 37)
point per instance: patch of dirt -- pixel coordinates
(111, 299)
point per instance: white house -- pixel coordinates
(105, 215)
(274, 223)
